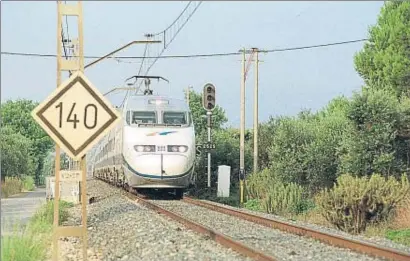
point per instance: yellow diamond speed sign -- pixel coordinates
(76, 115)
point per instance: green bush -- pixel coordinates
(273, 195)
(253, 204)
(354, 202)
(46, 213)
(28, 183)
(304, 149)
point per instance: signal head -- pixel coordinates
(208, 99)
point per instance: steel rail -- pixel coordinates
(219, 238)
(335, 240)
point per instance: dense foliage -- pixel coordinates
(384, 62)
(349, 140)
(23, 138)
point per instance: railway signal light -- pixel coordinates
(208, 100)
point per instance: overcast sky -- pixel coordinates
(289, 81)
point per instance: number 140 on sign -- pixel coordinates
(76, 115)
(72, 116)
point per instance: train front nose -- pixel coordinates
(164, 165)
(174, 165)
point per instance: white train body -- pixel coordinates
(152, 147)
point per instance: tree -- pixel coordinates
(16, 115)
(198, 112)
(226, 153)
(16, 160)
(304, 148)
(226, 140)
(266, 133)
(377, 142)
(384, 62)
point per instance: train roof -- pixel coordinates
(153, 102)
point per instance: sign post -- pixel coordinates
(75, 116)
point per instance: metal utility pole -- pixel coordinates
(209, 114)
(242, 131)
(71, 66)
(255, 112)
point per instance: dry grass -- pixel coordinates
(313, 216)
(398, 228)
(14, 185)
(11, 186)
(402, 218)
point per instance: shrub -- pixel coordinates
(28, 183)
(275, 196)
(253, 204)
(11, 186)
(46, 213)
(354, 202)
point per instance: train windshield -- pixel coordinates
(175, 118)
(138, 117)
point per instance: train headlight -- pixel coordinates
(144, 148)
(182, 148)
(177, 148)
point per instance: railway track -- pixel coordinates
(183, 211)
(335, 240)
(174, 210)
(218, 237)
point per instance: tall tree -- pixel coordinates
(15, 155)
(384, 62)
(17, 115)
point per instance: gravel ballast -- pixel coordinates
(283, 246)
(372, 240)
(119, 229)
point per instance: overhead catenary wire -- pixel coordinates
(193, 55)
(139, 71)
(164, 34)
(63, 39)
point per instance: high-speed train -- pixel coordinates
(152, 147)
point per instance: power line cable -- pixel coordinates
(176, 20)
(192, 55)
(63, 38)
(164, 33)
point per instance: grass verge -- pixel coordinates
(31, 242)
(15, 185)
(401, 236)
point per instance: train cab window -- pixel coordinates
(136, 117)
(178, 118)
